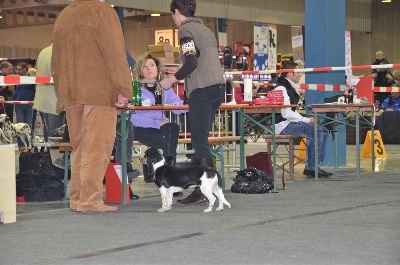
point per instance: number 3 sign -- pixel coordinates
(379, 148)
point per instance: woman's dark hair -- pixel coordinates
(186, 7)
(288, 65)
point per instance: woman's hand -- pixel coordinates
(162, 122)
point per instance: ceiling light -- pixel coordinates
(155, 15)
(386, 1)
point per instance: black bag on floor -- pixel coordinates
(252, 180)
(37, 162)
(39, 187)
(38, 179)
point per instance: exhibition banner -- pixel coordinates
(298, 45)
(349, 72)
(260, 61)
(272, 39)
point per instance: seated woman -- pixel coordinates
(392, 103)
(151, 127)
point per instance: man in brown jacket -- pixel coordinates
(90, 69)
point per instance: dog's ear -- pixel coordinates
(150, 166)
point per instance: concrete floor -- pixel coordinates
(330, 221)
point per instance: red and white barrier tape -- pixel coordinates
(386, 89)
(24, 80)
(320, 69)
(16, 102)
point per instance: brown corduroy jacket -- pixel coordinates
(89, 64)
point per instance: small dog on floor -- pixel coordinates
(170, 179)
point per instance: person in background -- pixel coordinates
(378, 59)
(45, 97)
(204, 82)
(382, 78)
(24, 112)
(392, 103)
(89, 88)
(396, 76)
(7, 92)
(289, 121)
(153, 128)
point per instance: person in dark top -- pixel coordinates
(7, 92)
(24, 112)
(382, 78)
(204, 82)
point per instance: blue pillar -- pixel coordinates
(325, 25)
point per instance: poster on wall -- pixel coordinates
(298, 46)
(164, 35)
(260, 47)
(272, 40)
(349, 72)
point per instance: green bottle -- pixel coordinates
(137, 94)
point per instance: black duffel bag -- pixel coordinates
(252, 180)
(39, 187)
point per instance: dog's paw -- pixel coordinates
(161, 210)
(208, 210)
(219, 209)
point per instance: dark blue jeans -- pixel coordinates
(307, 130)
(165, 138)
(203, 104)
(24, 113)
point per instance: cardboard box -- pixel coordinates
(162, 54)
(159, 48)
(162, 60)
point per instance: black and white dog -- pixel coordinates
(170, 179)
(19, 129)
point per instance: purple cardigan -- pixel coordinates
(151, 118)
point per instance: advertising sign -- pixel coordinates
(260, 47)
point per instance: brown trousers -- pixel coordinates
(92, 134)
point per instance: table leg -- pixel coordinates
(358, 144)
(123, 156)
(241, 133)
(335, 135)
(273, 148)
(315, 145)
(373, 139)
(66, 160)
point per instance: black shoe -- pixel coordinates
(133, 196)
(321, 171)
(311, 173)
(178, 194)
(196, 197)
